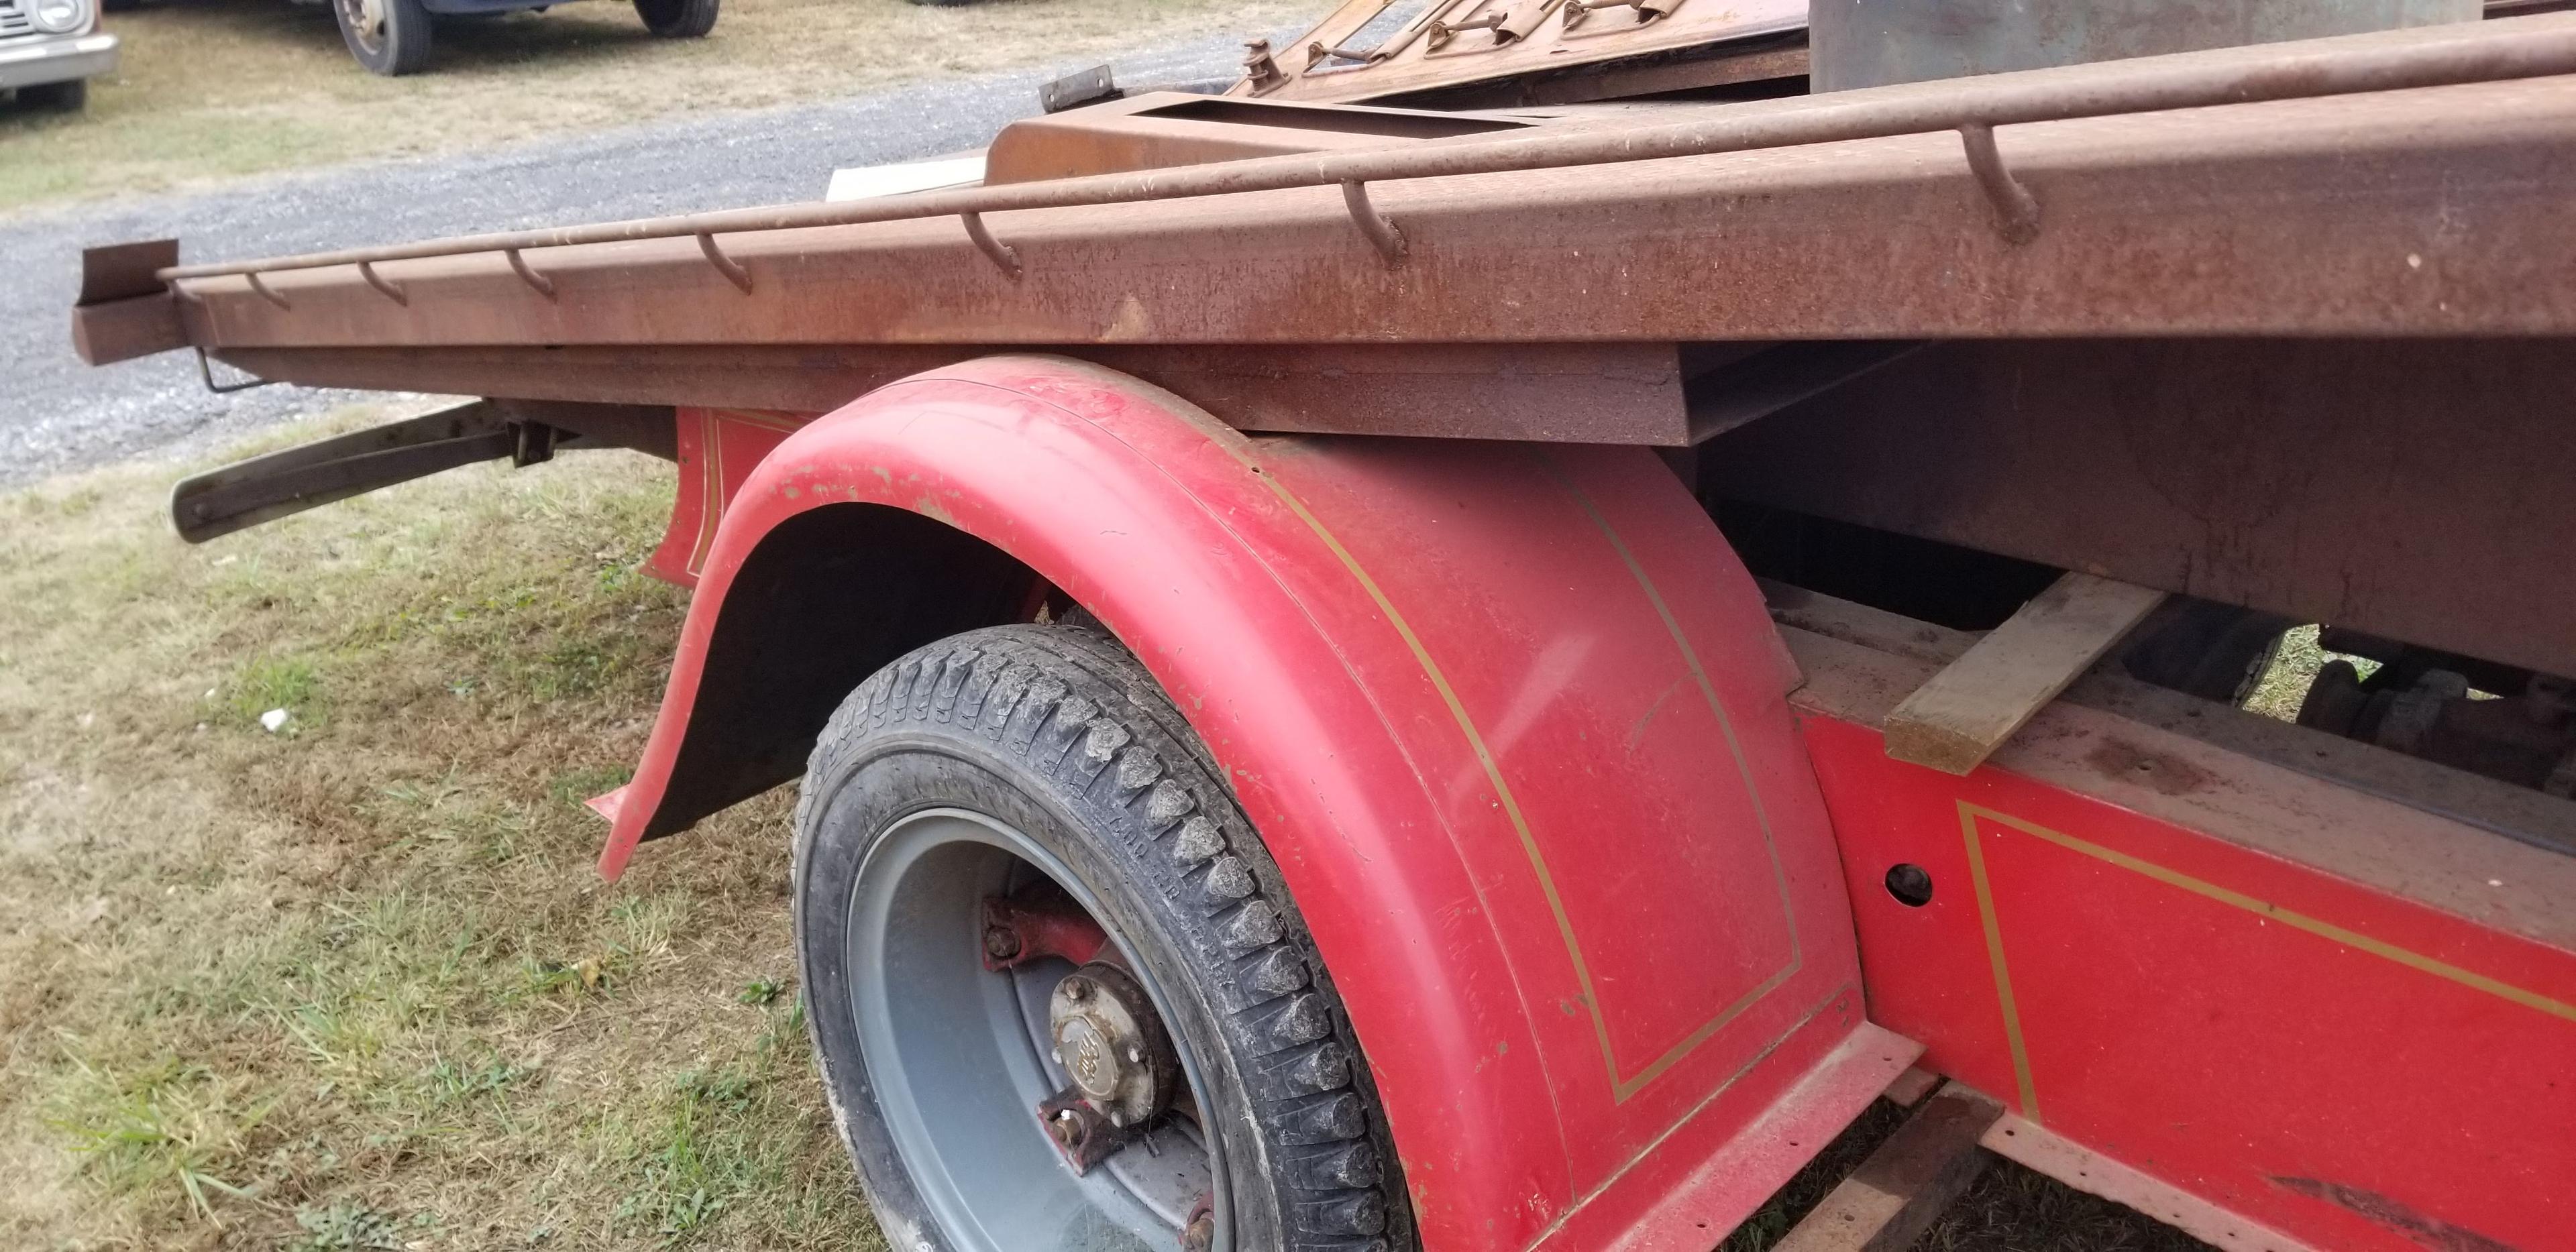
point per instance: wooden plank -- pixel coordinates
(1911, 1086)
(1952, 722)
(1892, 1198)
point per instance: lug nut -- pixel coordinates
(1000, 943)
(1077, 988)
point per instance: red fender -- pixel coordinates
(1512, 720)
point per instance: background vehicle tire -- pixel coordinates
(677, 19)
(389, 37)
(1030, 759)
(68, 97)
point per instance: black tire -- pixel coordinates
(1058, 731)
(389, 37)
(677, 19)
(65, 97)
(2205, 648)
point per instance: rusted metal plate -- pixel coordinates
(1626, 393)
(2420, 213)
(1168, 128)
(121, 271)
(1369, 49)
(124, 310)
(121, 330)
(2420, 491)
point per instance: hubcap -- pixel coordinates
(366, 19)
(1110, 1039)
(974, 962)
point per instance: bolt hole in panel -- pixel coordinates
(2323, 1058)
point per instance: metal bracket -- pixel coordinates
(726, 265)
(1002, 254)
(266, 292)
(392, 290)
(1647, 10)
(545, 286)
(207, 373)
(1381, 232)
(1317, 54)
(2016, 212)
(221, 501)
(1080, 1132)
(1259, 67)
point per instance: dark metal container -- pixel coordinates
(1867, 43)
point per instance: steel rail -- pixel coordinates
(2529, 47)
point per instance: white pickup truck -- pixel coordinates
(50, 49)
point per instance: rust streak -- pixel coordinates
(2426, 1230)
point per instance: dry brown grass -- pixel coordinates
(211, 89)
(355, 984)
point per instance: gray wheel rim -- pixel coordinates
(958, 1056)
(366, 29)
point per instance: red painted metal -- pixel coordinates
(2330, 1060)
(1030, 930)
(718, 450)
(1512, 720)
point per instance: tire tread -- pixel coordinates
(1070, 702)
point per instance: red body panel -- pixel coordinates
(1513, 723)
(718, 449)
(2341, 1065)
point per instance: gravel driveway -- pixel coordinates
(57, 414)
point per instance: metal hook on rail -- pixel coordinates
(545, 286)
(1381, 232)
(265, 291)
(2016, 212)
(731, 268)
(1003, 254)
(206, 372)
(392, 290)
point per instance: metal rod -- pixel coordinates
(1382, 233)
(2016, 212)
(731, 268)
(392, 290)
(206, 372)
(2512, 48)
(545, 286)
(1003, 254)
(266, 293)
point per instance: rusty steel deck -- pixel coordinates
(2395, 210)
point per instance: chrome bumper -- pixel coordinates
(57, 60)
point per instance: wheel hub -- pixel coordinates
(1112, 1044)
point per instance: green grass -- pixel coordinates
(356, 984)
(2285, 684)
